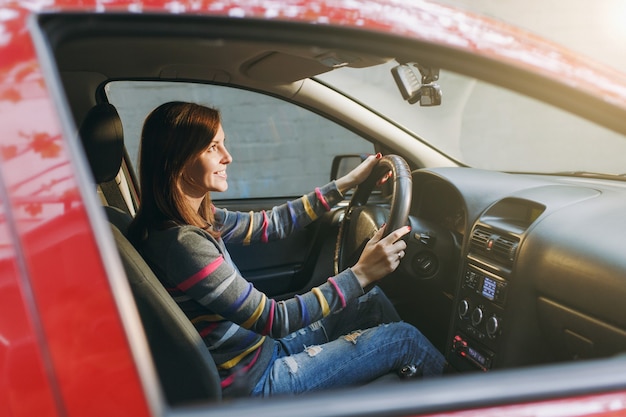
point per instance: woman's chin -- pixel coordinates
(218, 186)
(221, 188)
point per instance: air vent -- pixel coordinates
(505, 249)
(479, 239)
(494, 246)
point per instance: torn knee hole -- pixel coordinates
(291, 364)
(313, 350)
(352, 337)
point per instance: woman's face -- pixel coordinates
(207, 172)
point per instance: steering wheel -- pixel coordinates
(360, 222)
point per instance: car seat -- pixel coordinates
(184, 364)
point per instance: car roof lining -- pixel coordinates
(146, 47)
(219, 60)
(248, 53)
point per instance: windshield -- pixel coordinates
(485, 126)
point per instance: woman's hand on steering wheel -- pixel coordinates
(381, 256)
(358, 174)
(359, 221)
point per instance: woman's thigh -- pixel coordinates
(369, 310)
(356, 358)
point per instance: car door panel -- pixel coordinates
(287, 266)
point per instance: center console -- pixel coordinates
(480, 318)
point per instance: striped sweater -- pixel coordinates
(237, 322)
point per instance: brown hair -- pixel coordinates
(173, 134)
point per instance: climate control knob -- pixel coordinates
(477, 316)
(464, 307)
(493, 326)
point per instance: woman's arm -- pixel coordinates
(196, 268)
(280, 221)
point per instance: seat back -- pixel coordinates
(184, 364)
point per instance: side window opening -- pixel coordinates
(279, 149)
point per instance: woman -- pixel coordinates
(334, 335)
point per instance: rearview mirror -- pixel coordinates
(423, 88)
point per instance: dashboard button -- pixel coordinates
(477, 316)
(464, 308)
(493, 326)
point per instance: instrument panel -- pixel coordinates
(446, 209)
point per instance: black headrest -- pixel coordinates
(103, 138)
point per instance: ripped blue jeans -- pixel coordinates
(362, 342)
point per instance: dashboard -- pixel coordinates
(532, 267)
(446, 210)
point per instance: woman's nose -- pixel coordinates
(227, 158)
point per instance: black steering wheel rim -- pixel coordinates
(401, 184)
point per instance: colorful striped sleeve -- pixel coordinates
(339, 292)
(201, 272)
(321, 198)
(280, 221)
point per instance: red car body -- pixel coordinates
(64, 348)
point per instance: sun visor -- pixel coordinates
(278, 67)
(287, 67)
